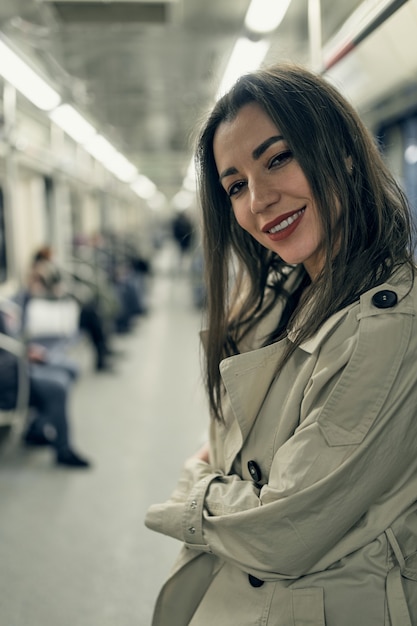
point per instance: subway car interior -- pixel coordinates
(101, 266)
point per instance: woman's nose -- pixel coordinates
(262, 195)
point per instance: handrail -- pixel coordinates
(368, 25)
(16, 346)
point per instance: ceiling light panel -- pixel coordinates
(110, 12)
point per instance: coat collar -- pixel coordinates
(312, 344)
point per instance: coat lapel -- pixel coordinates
(247, 378)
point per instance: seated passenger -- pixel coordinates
(46, 281)
(49, 385)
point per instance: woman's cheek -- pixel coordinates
(242, 219)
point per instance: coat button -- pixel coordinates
(254, 471)
(255, 582)
(384, 299)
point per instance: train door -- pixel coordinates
(58, 209)
(30, 218)
(91, 213)
(86, 215)
(3, 240)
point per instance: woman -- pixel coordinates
(302, 509)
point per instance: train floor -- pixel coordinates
(74, 550)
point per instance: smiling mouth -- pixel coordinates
(287, 222)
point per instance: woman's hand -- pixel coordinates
(203, 453)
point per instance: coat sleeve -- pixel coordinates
(340, 472)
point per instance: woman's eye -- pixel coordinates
(235, 188)
(281, 158)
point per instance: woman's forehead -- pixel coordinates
(247, 129)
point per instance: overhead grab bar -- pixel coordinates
(368, 17)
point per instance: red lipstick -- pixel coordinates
(288, 222)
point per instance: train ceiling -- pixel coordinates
(146, 72)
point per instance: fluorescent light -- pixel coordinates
(114, 161)
(28, 82)
(100, 148)
(183, 200)
(264, 16)
(144, 187)
(73, 123)
(122, 168)
(410, 154)
(247, 56)
(157, 201)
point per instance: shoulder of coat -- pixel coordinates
(398, 295)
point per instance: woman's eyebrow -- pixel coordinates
(229, 172)
(258, 152)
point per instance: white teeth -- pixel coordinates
(287, 222)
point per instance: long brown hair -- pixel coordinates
(373, 232)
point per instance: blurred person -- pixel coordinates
(183, 234)
(117, 258)
(45, 280)
(302, 507)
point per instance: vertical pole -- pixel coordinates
(61, 223)
(10, 184)
(314, 31)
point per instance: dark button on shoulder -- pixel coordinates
(254, 471)
(384, 299)
(255, 582)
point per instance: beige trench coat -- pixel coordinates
(307, 512)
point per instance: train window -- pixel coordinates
(392, 140)
(3, 254)
(399, 144)
(410, 161)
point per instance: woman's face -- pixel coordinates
(270, 195)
